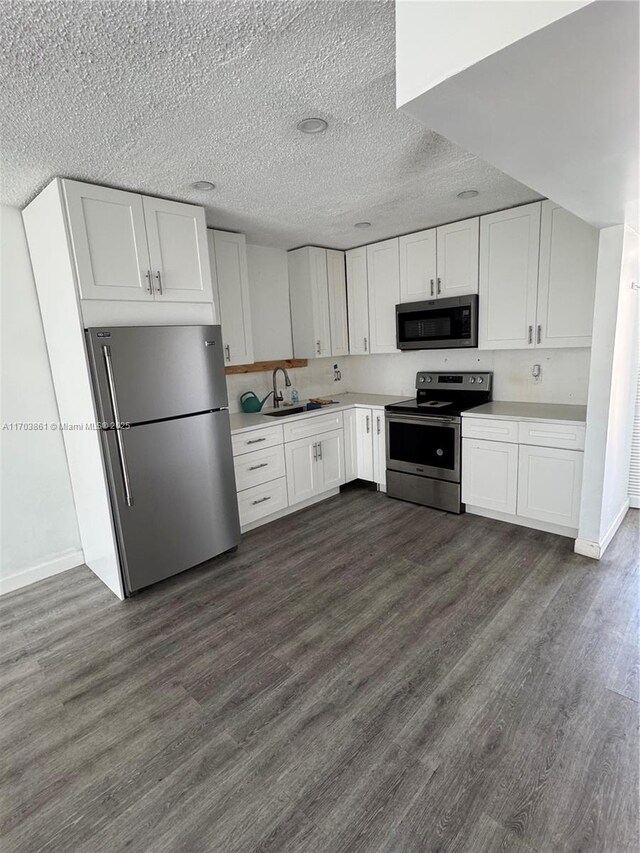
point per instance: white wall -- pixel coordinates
(565, 372)
(435, 40)
(611, 390)
(39, 530)
(269, 296)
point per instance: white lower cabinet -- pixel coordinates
(549, 483)
(490, 474)
(537, 484)
(314, 465)
(365, 448)
(262, 501)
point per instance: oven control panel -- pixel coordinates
(457, 381)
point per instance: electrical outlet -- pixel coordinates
(337, 373)
(536, 372)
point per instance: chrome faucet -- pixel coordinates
(277, 396)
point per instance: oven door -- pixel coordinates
(428, 447)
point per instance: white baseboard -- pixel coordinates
(523, 521)
(595, 550)
(44, 570)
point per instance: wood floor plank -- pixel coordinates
(364, 675)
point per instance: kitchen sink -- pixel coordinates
(289, 410)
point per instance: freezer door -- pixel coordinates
(182, 486)
(157, 371)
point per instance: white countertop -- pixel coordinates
(504, 410)
(241, 421)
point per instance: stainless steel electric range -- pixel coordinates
(424, 444)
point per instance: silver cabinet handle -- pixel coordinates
(255, 441)
(315, 452)
(439, 286)
(368, 422)
(106, 351)
(319, 450)
(261, 500)
(431, 287)
(366, 345)
(227, 352)
(539, 338)
(318, 347)
(149, 282)
(378, 424)
(158, 276)
(261, 465)
(530, 334)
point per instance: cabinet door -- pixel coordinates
(549, 483)
(379, 448)
(109, 242)
(383, 277)
(228, 253)
(179, 257)
(357, 301)
(337, 302)
(509, 242)
(567, 279)
(320, 302)
(330, 453)
(364, 426)
(458, 258)
(302, 469)
(350, 445)
(418, 266)
(490, 474)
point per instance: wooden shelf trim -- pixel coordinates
(264, 366)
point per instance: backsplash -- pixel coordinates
(311, 381)
(565, 374)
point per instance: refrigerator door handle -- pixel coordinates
(106, 350)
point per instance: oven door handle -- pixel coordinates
(420, 419)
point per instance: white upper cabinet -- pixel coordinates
(418, 271)
(358, 301)
(509, 244)
(458, 258)
(337, 302)
(440, 262)
(177, 238)
(109, 241)
(228, 253)
(566, 280)
(129, 247)
(383, 277)
(309, 297)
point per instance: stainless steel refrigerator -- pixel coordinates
(161, 398)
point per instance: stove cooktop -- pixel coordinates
(446, 394)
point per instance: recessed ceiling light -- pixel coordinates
(312, 125)
(362, 225)
(468, 194)
(204, 186)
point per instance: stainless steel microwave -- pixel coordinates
(438, 323)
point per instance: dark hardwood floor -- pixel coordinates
(366, 675)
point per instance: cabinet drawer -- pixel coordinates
(258, 467)
(552, 434)
(306, 427)
(261, 501)
(490, 429)
(258, 439)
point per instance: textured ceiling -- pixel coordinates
(152, 96)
